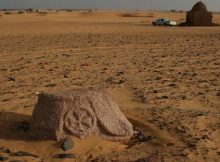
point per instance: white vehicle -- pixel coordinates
(164, 22)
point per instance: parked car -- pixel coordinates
(164, 22)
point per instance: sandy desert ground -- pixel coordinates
(166, 80)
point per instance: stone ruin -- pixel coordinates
(80, 113)
(199, 16)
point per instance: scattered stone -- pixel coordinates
(163, 97)
(66, 73)
(66, 55)
(170, 144)
(204, 137)
(23, 153)
(3, 69)
(157, 78)
(64, 156)
(113, 80)
(85, 64)
(192, 144)
(140, 137)
(143, 138)
(68, 144)
(119, 73)
(5, 150)
(7, 99)
(16, 161)
(51, 85)
(11, 79)
(218, 94)
(183, 97)
(172, 85)
(181, 129)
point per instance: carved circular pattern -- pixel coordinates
(79, 121)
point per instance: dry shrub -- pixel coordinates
(87, 13)
(8, 13)
(135, 15)
(150, 15)
(20, 12)
(42, 13)
(128, 15)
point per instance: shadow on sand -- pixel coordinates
(9, 123)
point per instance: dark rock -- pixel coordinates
(66, 76)
(192, 144)
(112, 80)
(68, 144)
(181, 129)
(3, 69)
(5, 150)
(64, 156)
(51, 85)
(23, 153)
(183, 97)
(16, 161)
(170, 144)
(7, 99)
(218, 94)
(66, 73)
(172, 85)
(11, 79)
(140, 137)
(205, 137)
(157, 78)
(122, 81)
(24, 126)
(163, 97)
(2, 158)
(120, 73)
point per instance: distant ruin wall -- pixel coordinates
(197, 18)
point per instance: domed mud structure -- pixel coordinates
(199, 15)
(80, 113)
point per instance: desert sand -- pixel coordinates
(164, 79)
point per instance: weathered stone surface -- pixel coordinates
(199, 15)
(81, 113)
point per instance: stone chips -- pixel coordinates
(80, 113)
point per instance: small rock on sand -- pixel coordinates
(2, 158)
(68, 144)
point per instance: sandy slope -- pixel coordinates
(166, 81)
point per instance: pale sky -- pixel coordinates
(213, 5)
